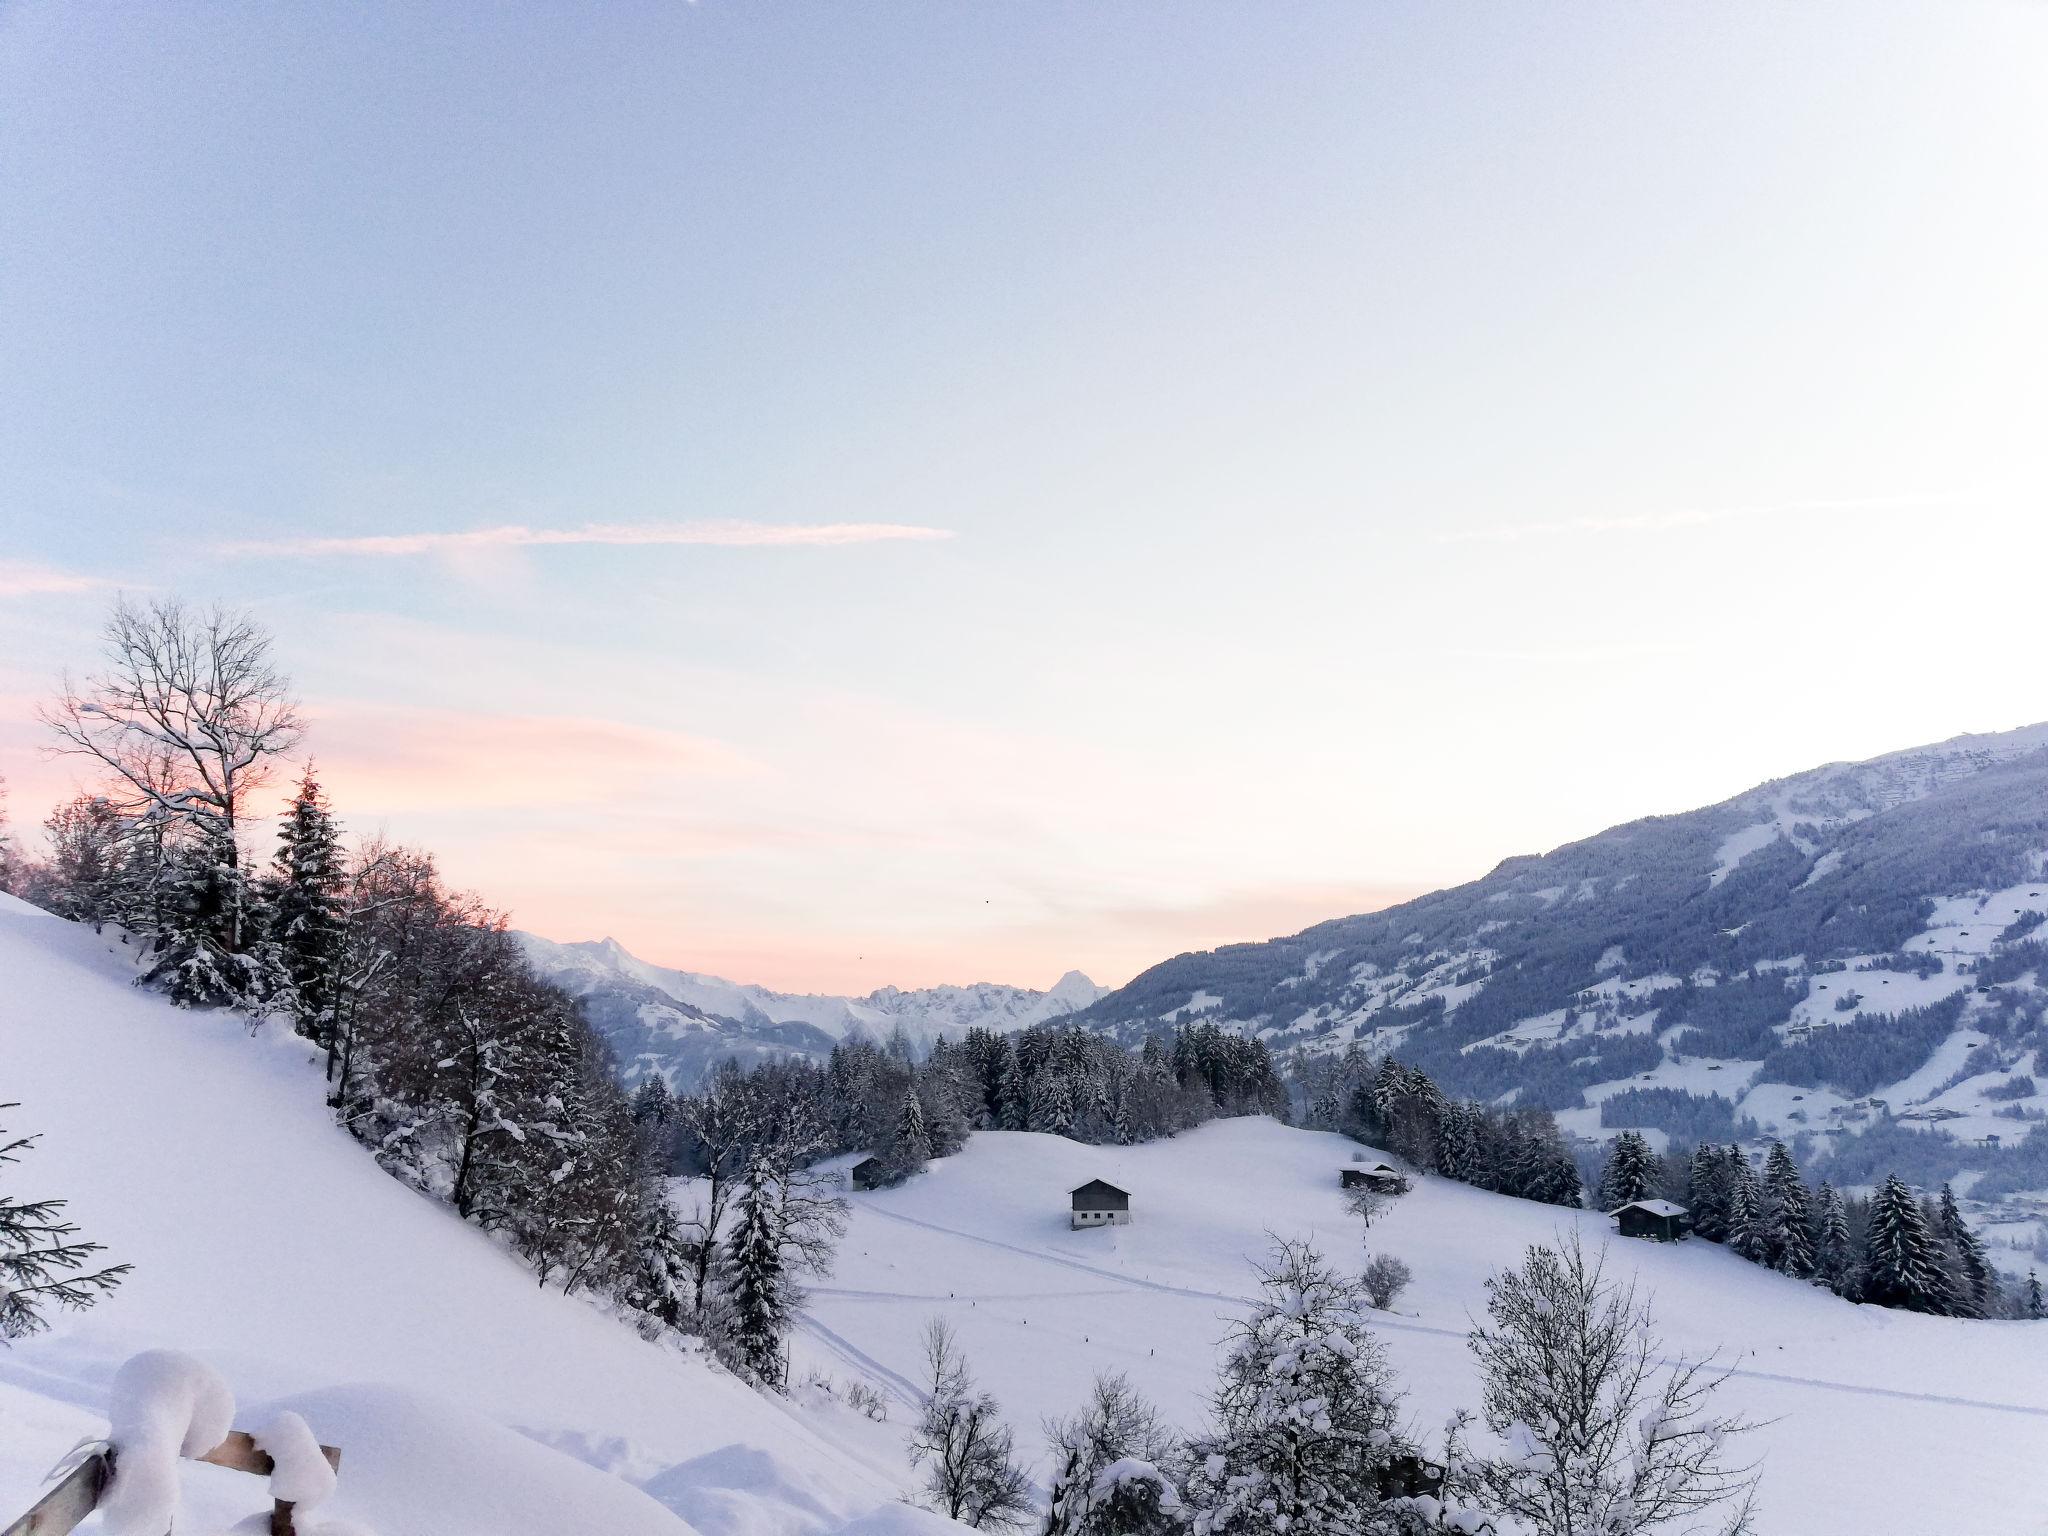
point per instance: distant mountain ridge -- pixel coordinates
(679, 1024)
(1862, 931)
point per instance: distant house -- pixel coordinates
(1380, 1176)
(1100, 1204)
(1661, 1220)
(870, 1173)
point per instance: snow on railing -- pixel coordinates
(167, 1407)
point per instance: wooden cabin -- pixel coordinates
(870, 1173)
(1383, 1177)
(1659, 1220)
(1101, 1204)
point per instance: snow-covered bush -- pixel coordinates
(1385, 1278)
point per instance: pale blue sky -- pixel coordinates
(1374, 438)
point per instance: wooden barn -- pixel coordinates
(1660, 1220)
(1386, 1179)
(1101, 1204)
(869, 1173)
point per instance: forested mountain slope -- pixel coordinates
(678, 1024)
(1860, 932)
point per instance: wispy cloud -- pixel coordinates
(26, 578)
(722, 534)
(1673, 519)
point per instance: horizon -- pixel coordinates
(917, 497)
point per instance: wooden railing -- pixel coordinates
(65, 1507)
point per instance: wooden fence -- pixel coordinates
(65, 1507)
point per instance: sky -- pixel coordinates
(834, 495)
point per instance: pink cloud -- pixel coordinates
(28, 578)
(729, 534)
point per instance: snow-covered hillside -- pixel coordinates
(466, 1401)
(679, 1024)
(1882, 1423)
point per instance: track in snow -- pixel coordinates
(1134, 1282)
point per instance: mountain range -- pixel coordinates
(1851, 948)
(679, 1024)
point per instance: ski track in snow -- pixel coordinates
(860, 1360)
(1134, 1282)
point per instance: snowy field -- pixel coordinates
(1878, 1417)
(466, 1401)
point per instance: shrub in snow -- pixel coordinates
(1385, 1278)
(166, 1406)
(1599, 1433)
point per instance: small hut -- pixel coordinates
(1659, 1220)
(1382, 1177)
(1101, 1204)
(870, 1173)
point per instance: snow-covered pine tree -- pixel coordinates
(1709, 1193)
(1013, 1112)
(1833, 1260)
(307, 893)
(42, 1260)
(1306, 1413)
(1972, 1281)
(1631, 1172)
(654, 1105)
(760, 1316)
(211, 947)
(1052, 1102)
(1902, 1262)
(1746, 1234)
(912, 1145)
(2032, 1303)
(1787, 1215)
(88, 863)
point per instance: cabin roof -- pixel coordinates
(1654, 1207)
(865, 1162)
(1099, 1184)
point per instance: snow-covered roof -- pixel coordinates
(1654, 1207)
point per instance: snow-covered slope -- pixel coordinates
(467, 1402)
(679, 1023)
(1881, 1423)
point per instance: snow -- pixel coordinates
(1737, 846)
(300, 1474)
(1654, 1207)
(466, 1400)
(165, 1406)
(983, 1241)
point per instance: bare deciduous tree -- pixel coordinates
(963, 1445)
(1601, 1432)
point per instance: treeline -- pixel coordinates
(1510, 1151)
(1889, 1250)
(464, 1073)
(905, 1108)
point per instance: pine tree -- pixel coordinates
(760, 1315)
(1709, 1193)
(913, 1144)
(306, 893)
(1631, 1173)
(1972, 1283)
(2036, 1307)
(1746, 1235)
(1787, 1215)
(1013, 1102)
(1902, 1263)
(1306, 1412)
(1832, 1258)
(42, 1261)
